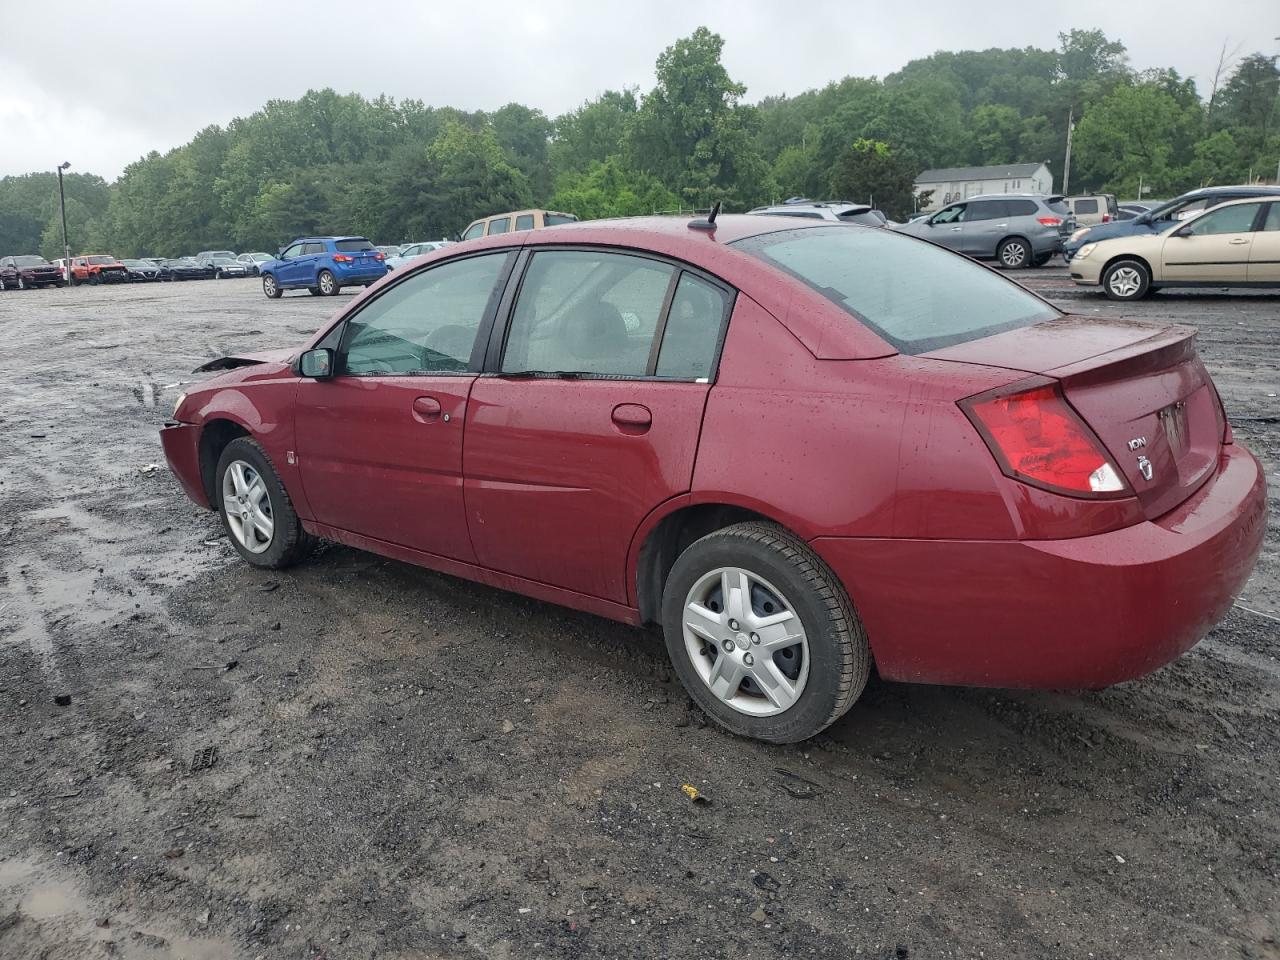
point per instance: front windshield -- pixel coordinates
(917, 296)
(102, 260)
(30, 261)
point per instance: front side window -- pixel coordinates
(501, 225)
(1234, 219)
(586, 312)
(473, 231)
(916, 296)
(950, 215)
(692, 334)
(524, 222)
(425, 324)
(291, 252)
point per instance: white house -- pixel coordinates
(959, 183)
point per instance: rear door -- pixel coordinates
(380, 445)
(591, 417)
(985, 225)
(1264, 252)
(1213, 248)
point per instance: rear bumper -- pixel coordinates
(1087, 612)
(181, 442)
(359, 275)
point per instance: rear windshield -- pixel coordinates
(1057, 205)
(349, 246)
(555, 219)
(29, 261)
(915, 295)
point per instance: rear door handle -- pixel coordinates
(955, 229)
(632, 418)
(426, 409)
(1239, 240)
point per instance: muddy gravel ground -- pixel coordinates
(360, 759)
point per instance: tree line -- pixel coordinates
(338, 163)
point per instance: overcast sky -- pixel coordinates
(103, 85)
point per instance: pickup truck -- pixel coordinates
(97, 268)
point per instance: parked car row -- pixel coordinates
(28, 271)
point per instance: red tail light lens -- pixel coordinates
(1106, 218)
(342, 258)
(1050, 221)
(379, 255)
(1038, 439)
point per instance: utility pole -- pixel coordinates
(1066, 165)
(62, 204)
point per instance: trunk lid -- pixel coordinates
(1141, 387)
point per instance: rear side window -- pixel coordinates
(555, 219)
(1272, 221)
(351, 246)
(524, 222)
(1086, 206)
(1058, 206)
(309, 248)
(473, 231)
(1020, 208)
(692, 334)
(500, 225)
(586, 312)
(426, 323)
(915, 295)
(985, 210)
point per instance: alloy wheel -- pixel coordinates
(1013, 255)
(326, 283)
(1124, 281)
(247, 506)
(746, 642)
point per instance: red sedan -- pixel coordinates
(797, 447)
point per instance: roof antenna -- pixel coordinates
(709, 223)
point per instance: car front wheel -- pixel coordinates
(256, 509)
(1014, 254)
(1126, 280)
(762, 634)
(270, 287)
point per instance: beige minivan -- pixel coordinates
(1092, 209)
(516, 221)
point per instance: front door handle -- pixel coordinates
(955, 229)
(632, 418)
(426, 409)
(1239, 240)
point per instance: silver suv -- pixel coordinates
(1016, 229)
(838, 211)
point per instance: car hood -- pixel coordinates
(246, 360)
(1120, 228)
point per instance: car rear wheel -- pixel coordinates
(256, 510)
(270, 287)
(1014, 254)
(1126, 280)
(762, 634)
(327, 283)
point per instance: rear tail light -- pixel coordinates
(1050, 221)
(343, 258)
(1038, 439)
(1106, 218)
(379, 256)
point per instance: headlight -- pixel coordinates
(1084, 251)
(177, 404)
(1079, 233)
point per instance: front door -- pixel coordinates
(1264, 252)
(287, 269)
(380, 445)
(947, 227)
(1212, 248)
(985, 225)
(592, 419)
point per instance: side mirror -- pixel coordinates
(316, 364)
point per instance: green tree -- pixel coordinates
(594, 132)
(1134, 135)
(870, 170)
(608, 189)
(523, 134)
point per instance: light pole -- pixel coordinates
(62, 204)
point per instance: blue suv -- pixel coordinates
(1165, 215)
(322, 266)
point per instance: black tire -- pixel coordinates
(839, 655)
(96, 279)
(327, 283)
(289, 542)
(1126, 280)
(1041, 260)
(22, 284)
(270, 287)
(1014, 253)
